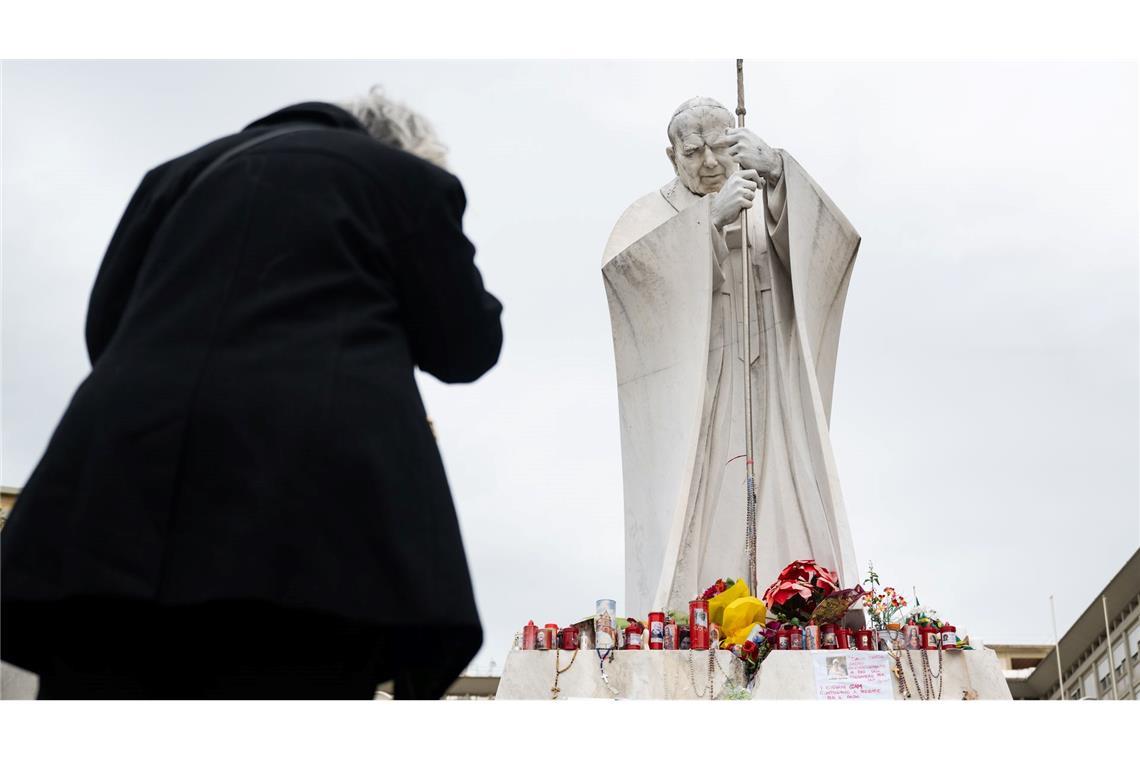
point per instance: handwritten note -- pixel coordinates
(843, 674)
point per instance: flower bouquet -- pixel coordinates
(834, 606)
(741, 618)
(760, 641)
(721, 585)
(884, 606)
(723, 593)
(799, 590)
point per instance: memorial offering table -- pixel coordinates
(816, 674)
(634, 674)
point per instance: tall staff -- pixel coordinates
(1057, 646)
(746, 262)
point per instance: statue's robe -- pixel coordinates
(674, 286)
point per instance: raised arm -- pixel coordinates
(452, 321)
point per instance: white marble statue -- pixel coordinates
(672, 271)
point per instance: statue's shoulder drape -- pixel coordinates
(660, 297)
(820, 245)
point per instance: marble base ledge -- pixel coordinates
(644, 674)
(635, 674)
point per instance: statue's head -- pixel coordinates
(695, 146)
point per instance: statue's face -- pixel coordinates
(698, 149)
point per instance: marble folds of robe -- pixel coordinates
(674, 286)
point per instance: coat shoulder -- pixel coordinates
(385, 164)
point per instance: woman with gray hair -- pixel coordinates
(395, 124)
(244, 497)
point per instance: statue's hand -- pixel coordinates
(737, 194)
(753, 153)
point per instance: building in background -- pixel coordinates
(14, 682)
(1018, 661)
(7, 499)
(1091, 660)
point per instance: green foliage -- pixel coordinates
(735, 692)
(872, 578)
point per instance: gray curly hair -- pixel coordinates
(394, 124)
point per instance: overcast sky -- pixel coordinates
(985, 420)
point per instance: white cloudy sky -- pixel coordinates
(985, 414)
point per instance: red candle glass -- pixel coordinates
(551, 635)
(698, 624)
(530, 635)
(568, 638)
(633, 633)
(656, 630)
(827, 636)
(672, 635)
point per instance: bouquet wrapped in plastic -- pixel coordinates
(805, 591)
(742, 619)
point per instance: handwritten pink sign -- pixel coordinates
(843, 674)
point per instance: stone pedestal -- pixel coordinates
(637, 674)
(643, 674)
(976, 673)
(16, 683)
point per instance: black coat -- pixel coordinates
(251, 427)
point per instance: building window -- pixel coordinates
(1119, 660)
(1103, 675)
(1134, 643)
(1089, 682)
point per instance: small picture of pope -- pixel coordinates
(837, 667)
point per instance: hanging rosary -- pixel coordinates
(602, 668)
(925, 689)
(558, 671)
(711, 672)
(930, 676)
(904, 688)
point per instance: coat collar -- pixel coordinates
(314, 112)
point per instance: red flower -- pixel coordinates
(799, 587)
